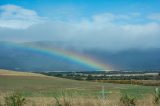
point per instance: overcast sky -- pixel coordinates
(102, 24)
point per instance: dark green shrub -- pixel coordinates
(15, 99)
(127, 100)
(57, 102)
(156, 96)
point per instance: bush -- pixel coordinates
(127, 100)
(57, 102)
(15, 99)
(156, 96)
(66, 99)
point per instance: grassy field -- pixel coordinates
(40, 87)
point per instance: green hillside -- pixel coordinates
(31, 84)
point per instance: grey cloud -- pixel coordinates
(100, 32)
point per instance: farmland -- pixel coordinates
(38, 87)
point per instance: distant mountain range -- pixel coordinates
(25, 60)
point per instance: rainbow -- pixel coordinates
(71, 56)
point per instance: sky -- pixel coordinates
(99, 24)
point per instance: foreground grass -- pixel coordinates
(71, 99)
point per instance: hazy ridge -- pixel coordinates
(24, 60)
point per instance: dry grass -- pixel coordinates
(72, 100)
(77, 100)
(112, 100)
(15, 73)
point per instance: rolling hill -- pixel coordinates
(42, 90)
(31, 84)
